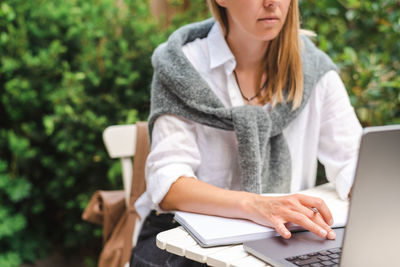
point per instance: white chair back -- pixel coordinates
(120, 142)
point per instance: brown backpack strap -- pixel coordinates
(138, 185)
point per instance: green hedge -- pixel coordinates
(68, 69)
(363, 39)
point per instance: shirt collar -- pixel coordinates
(219, 51)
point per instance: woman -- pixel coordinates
(242, 106)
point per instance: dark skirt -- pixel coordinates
(146, 252)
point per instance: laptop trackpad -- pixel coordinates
(277, 248)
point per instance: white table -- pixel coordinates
(179, 242)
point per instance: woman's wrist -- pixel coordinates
(247, 204)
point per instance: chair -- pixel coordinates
(120, 142)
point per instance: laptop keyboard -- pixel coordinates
(329, 257)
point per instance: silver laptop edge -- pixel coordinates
(371, 237)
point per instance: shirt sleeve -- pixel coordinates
(174, 153)
(340, 134)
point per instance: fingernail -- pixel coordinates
(331, 235)
(330, 221)
(323, 232)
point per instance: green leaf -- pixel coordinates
(10, 224)
(10, 259)
(18, 189)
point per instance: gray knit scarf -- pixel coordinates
(178, 89)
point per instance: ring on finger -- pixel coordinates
(314, 209)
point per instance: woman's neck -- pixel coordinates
(249, 54)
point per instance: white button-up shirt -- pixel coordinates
(327, 129)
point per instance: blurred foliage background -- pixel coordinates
(68, 69)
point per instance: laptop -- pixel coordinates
(372, 234)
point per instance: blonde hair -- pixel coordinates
(283, 60)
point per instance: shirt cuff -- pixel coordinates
(160, 181)
(344, 182)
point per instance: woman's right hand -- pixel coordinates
(297, 208)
